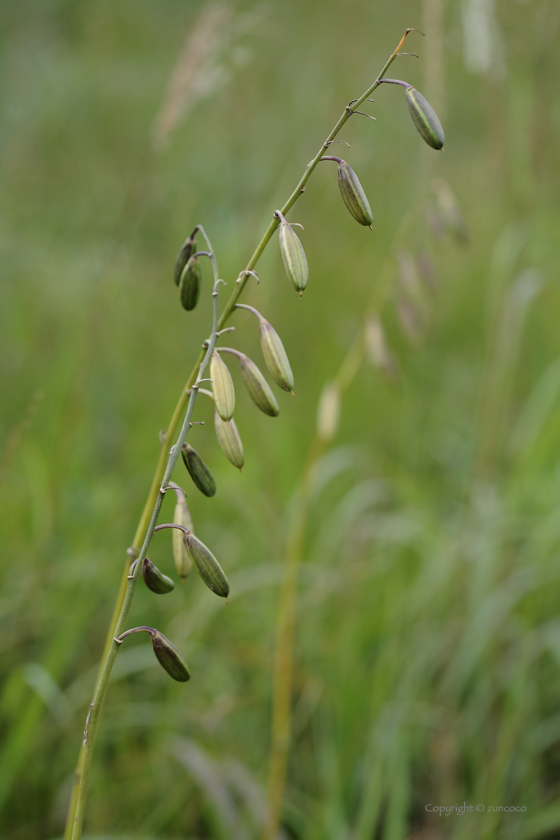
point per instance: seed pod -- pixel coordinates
(190, 284)
(353, 195)
(425, 119)
(258, 387)
(222, 387)
(183, 562)
(293, 255)
(187, 250)
(275, 357)
(155, 580)
(229, 440)
(207, 566)
(169, 658)
(198, 471)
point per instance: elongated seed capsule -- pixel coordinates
(425, 119)
(293, 255)
(169, 657)
(207, 566)
(275, 356)
(229, 440)
(187, 250)
(190, 284)
(222, 387)
(156, 580)
(423, 115)
(258, 387)
(198, 471)
(182, 560)
(273, 351)
(353, 195)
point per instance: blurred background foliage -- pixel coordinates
(428, 637)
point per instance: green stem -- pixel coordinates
(103, 681)
(152, 506)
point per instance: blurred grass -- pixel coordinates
(427, 649)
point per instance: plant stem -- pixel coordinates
(103, 680)
(148, 519)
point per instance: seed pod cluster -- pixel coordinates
(187, 250)
(156, 580)
(191, 278)
(169, 657)
(222, 387)
(207, 566)
(198, 470)
(425, 119)
(257, 387)
(353, 195)
(183, 562)
(293, 255)
(229, 440)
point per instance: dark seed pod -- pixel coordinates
(198, 470)
(156, 580)
(190, 284)
(222, 387)
(229, 440)
(258, 387)
(275, 356)
(187, 250)
(207, 566)
(182, 560)
(169, 657)
(425, 119)
(353, 195)
(293, 256)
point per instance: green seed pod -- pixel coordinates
(229, 440)
(222, 387)
(275, 356)
(258, 387)
(187, 250)
(353, 195)
(169, 658)
(190, 284)
(425, 119)
(293, 255)
(207, 566)
(198, 471)
(155, 580)
(182, 560)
